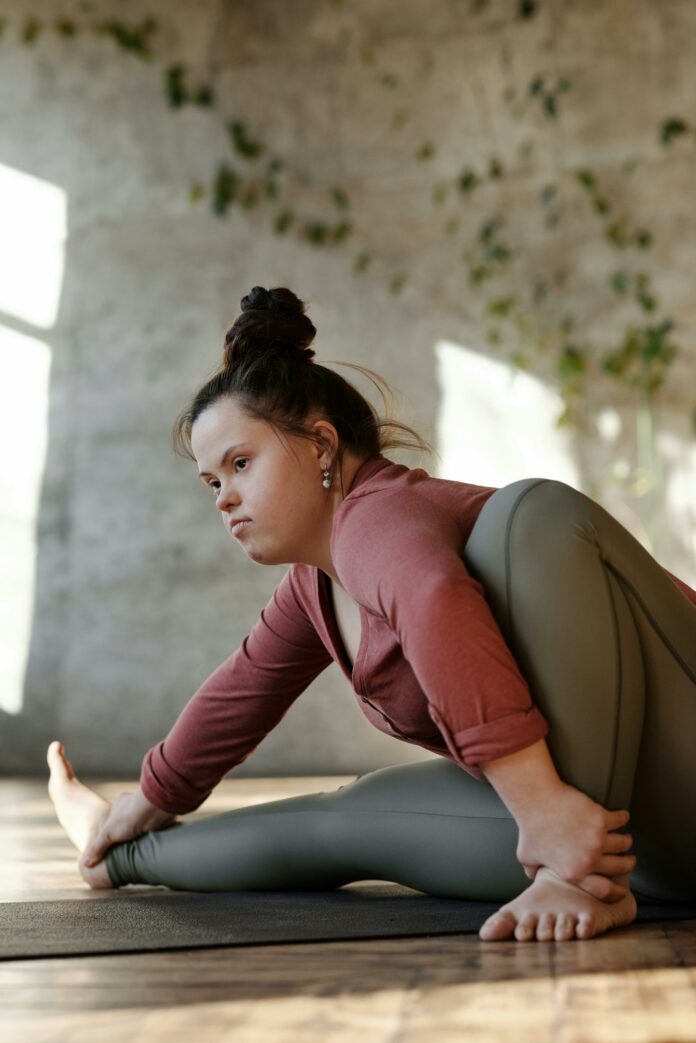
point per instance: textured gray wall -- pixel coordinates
(138, 592)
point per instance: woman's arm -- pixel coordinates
(238, 704)
(561, 827)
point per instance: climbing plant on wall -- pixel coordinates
(519, 311)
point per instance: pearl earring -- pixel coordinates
(327, 480)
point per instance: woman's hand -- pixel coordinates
(129, 816)
(573, 835)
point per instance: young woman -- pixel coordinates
(520, 633)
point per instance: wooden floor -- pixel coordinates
(633, 985)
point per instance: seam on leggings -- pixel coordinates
(655, 625)
(618, 682)
(508, 567)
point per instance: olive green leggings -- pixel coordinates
(607, 643)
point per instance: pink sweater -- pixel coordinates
(432, 668)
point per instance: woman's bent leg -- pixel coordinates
(607, 643)
(427, 825)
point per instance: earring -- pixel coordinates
(327, 480)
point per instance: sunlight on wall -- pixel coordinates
(496, 424)
(32, 255)
(32, 259)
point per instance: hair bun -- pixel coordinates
(258, 299)
(271, 320)
(277, 300)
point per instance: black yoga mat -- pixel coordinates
(190, 920)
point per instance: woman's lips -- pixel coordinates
(238, 526)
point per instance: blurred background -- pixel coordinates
(489, 202)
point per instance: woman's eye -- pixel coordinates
(240, 458)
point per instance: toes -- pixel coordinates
(586, 926)
(524, 932)
(565, 927)
(498, 926)
(546, 926)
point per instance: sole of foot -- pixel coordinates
(79, 809)
(552, 909)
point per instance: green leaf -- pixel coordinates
(619, 282)
(174, 85)
(241, 142)
(643, 239)
(550, 105)
(400, 118)
(493, 335)
(362, 261)
(426, 151)
(283, 221)
(468, 180)
(225, 188)
(672, 128)
(388, 79)
(65, 27)
(452, 225)
(501, 305)
(130, 37)
(397, 283)
(617, 233)
(341, 231)
(547, 193)
(495, 168)
(498, 252)
(204, 96)
(489, 228)
(196, 192)
(527, 8)
(340, 198)
(586, 179)
(535, 86)
(30, 30)
(315, 232)
(571, 362)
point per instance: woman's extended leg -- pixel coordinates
(427, 825)
(607, 643)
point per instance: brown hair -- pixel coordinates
(267, 370)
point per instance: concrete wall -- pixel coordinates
(121, 590)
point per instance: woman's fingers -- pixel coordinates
(615, 865)
(96, 849)
(603, 888)
(617, 819)
(615, 842)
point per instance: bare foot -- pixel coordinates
(552, 909)
(79, 809)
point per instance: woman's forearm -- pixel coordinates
(524, 779)
(559, 826)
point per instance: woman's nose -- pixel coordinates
(225, 499)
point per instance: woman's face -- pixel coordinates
(274, 480)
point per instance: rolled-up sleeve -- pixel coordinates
(238, 704)
(399, 556)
